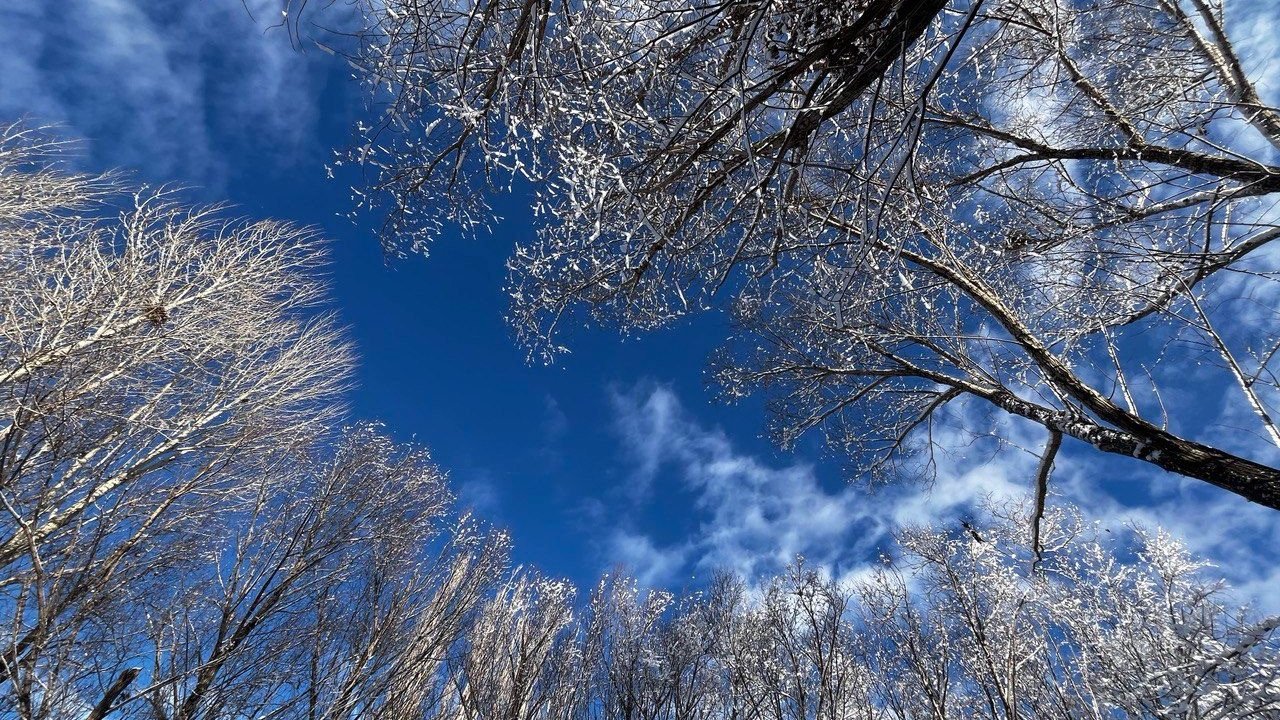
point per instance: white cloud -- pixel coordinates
(159, 86)
(752, 517)
(647, 425)
(478, 492)
(650, 565)
(555, 422)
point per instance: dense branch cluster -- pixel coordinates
(183, 535)
(1052, 208)
(952, 627)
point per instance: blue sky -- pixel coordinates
(618, 454)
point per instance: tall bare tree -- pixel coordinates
(150, 356)
(505, 72)
(1052, 209)
(184, 535)
(521, 658)
(338, 591)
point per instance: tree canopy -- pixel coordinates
(1054, 209)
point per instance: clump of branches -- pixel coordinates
(183, 533)
(1056, 210)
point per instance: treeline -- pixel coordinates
(953, 627)
(185, 536)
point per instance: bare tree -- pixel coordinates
(521, 657)
(791, 656)
(1066, 259)
(150, 356)
(185, 536)
(325, 598)
(623, 639)
(1050, 209)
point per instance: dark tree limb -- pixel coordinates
(1042, 491)
(113, 693)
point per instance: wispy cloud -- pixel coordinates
(163, 87)
(477, 491)
(651, 565)
(754, 516)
